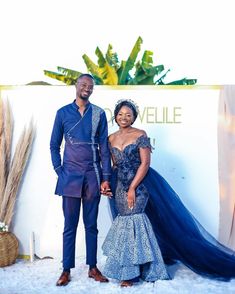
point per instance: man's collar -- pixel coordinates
(74, 104)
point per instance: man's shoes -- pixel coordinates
(126, 284)
(95, 274)
(64, 279)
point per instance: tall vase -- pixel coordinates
(9, 248)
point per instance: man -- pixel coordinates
(85, 171)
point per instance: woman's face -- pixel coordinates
(125, 117)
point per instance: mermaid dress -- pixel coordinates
(178, 234)
(131, 247)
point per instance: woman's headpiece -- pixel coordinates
(128, 101)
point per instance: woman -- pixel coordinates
(131, 246)
(141, 194)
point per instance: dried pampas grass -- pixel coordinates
(6, 127)
(2, 155)
(8, 130)
(11, 172)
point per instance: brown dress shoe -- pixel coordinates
(95, 274)
(64, 279)
(126, 284)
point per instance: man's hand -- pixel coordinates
(105, 189)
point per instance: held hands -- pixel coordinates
(105, 189)
(131, 198)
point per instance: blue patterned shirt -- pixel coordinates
(86, 151)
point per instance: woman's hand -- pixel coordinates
(131, 198)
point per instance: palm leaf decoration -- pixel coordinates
(104, 72)
(109, 71)
(92, 67)
(183, 82)
(123, 78)
(112, 57)
(65, 75)
(145, 71)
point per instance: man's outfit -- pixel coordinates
(86, 162)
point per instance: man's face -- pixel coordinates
(84, 88)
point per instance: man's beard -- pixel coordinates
(85, 98)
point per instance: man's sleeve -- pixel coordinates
(104, 148)
(55, 142)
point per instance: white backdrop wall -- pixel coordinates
(182, 125)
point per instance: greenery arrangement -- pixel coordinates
(11, 169)
(109, 71)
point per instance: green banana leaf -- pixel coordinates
(75, 74)
(139, 76)
(108, 73)
(147, 59)
(130, 62)
(93, 69)
(69, 73)
(183, 82)
(112, 57)
(160, 79)
(60, 77)
(145, 72)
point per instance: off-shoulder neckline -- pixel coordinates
(133, 143)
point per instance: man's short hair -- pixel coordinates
(85, 75)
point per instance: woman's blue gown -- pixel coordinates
(159, 230)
